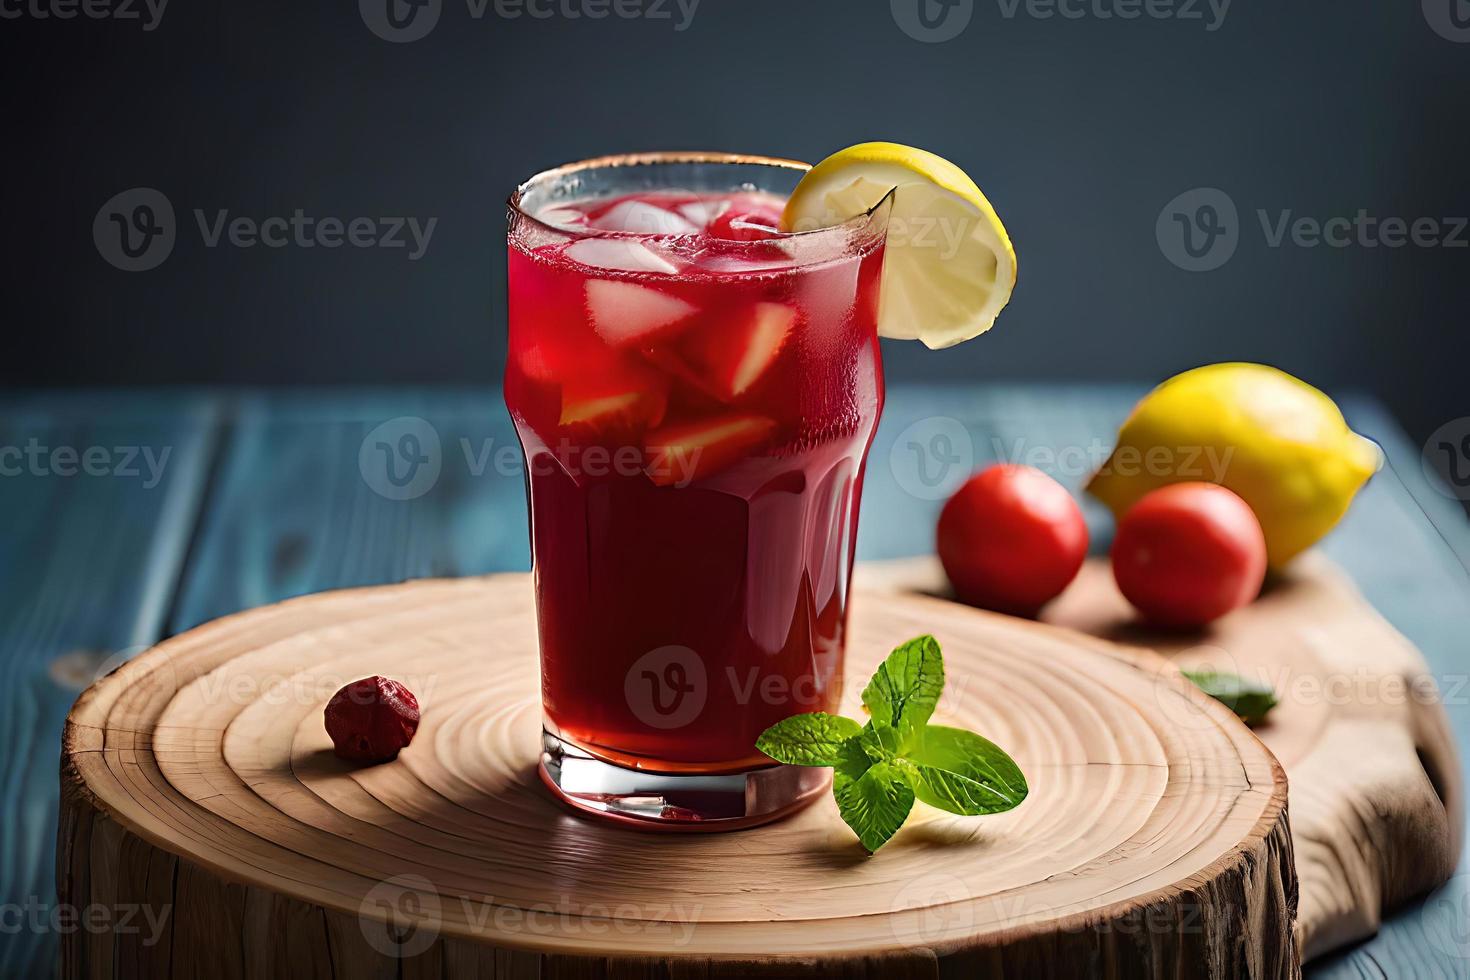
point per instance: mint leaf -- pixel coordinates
(852, 762)
(813, 739)
(878, 742)
(875, 804)
(1250, 701)
(960, 772)
(880, 768)
(906, 687)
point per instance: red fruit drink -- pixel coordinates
(695, 393)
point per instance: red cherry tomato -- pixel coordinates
(1011, 539)
(1188, 553)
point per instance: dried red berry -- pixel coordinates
(371, 719)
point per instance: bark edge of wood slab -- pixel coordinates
(1377, 791)
(198, 778)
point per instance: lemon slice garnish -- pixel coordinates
(949, 267)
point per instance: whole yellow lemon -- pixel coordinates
(1276, 441)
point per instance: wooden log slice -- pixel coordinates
(199, 786)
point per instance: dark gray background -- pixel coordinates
(1080, 130)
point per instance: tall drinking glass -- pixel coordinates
(695, 393)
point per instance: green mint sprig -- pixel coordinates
(1250, 701)
(880, 768)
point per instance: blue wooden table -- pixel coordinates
(133, 515)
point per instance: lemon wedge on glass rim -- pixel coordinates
(948, 266)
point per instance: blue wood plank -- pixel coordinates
(100, 494)
(1430, 940)
(1407, 546)
(305, 501)
(302, 506)
(932, 437)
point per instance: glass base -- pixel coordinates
(658, 801)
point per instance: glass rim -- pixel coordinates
(655, 157)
